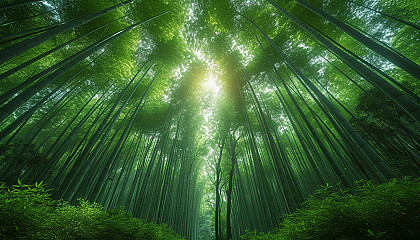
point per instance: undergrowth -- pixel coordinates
(389, 211)
(28, 212)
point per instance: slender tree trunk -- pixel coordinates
(399, 61)
(387, 15)
(362, 144)
(13, 5)
(111, 160)
(229, 190)
(27, 63)
(217, 185)
(15, 50)
(412, 108)
(13, 104)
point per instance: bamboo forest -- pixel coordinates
(210, 119)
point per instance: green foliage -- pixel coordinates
(22, 209)
(367, 211)
(28, 212)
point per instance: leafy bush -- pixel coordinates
(21, 209)
(367, 211)
(28, 212)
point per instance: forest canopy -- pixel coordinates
(214, 117)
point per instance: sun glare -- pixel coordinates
(211, 85)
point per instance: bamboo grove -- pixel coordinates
(217, 114)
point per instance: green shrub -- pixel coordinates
(28, 212)
(21, 209)
(386, 211)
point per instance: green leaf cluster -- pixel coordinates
(29, 212)
(367, 211)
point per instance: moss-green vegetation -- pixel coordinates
(386, 211)
(28, 212)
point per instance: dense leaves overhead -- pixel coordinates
(189, 112)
